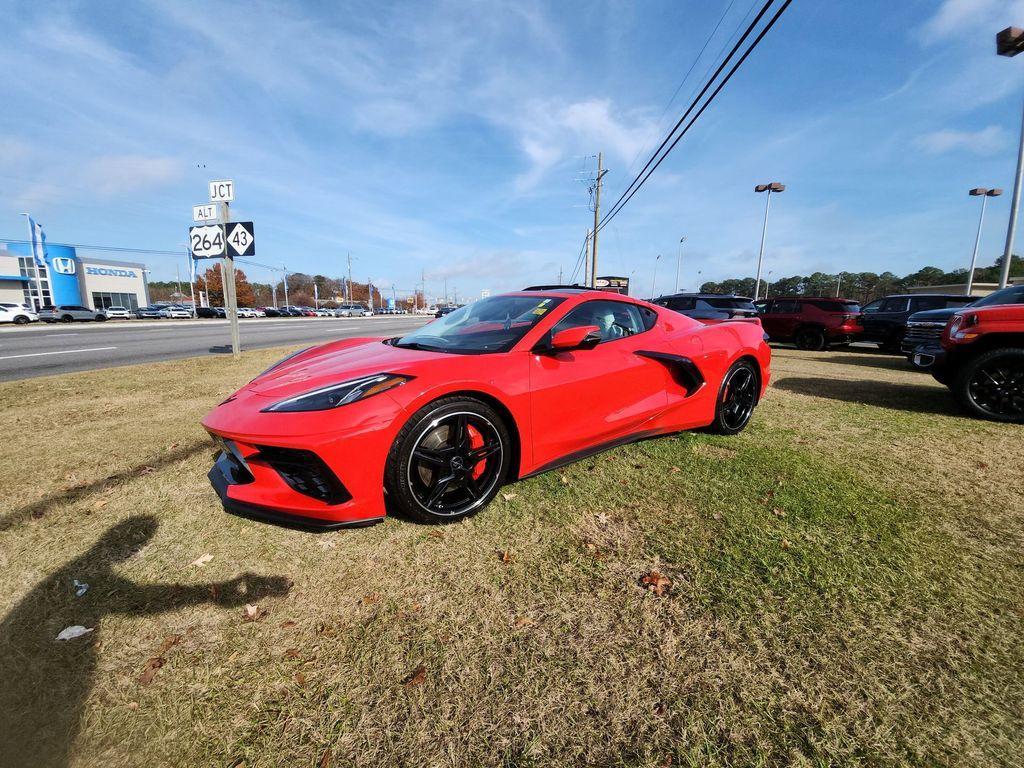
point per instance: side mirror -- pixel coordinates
(581, 337)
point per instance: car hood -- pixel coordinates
(934, 315)
(337, 362)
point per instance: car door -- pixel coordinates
(586, 398)
(879, 326)
(780, 318)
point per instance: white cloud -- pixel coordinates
(986, 141)
(115, 175)
(964, 17)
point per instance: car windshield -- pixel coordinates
(1012, 295)
(494, 324)
(729, 303)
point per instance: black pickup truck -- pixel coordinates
(885, 320)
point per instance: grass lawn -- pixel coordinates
(846, 588)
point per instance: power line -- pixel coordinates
(648, 169)
(112, 248)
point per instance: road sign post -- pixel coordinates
(224, 241)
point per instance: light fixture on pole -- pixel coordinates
(654, 279)
(769, 188)
(1010, 42)
(984, 194)
(679, 260)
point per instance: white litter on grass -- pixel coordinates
(203, 560)
(70, 633)
(80, 588)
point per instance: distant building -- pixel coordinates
(69, 278)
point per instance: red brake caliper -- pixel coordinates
(476, 440)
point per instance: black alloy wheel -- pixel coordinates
(449, 460)
(20, 320)
(66, 319)
(810, 339)
(737, 398)
(991, 385)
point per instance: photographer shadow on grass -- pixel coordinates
(44, 682)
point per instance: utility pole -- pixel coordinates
(597, 215)
(191, 279)
(559, 274)
(284, 269)
(273, 294)
(769, 188)
(369, 290)
(348, 292)
(423, 283)
(228, 281)
(586, 259)
(446, 291)
(1010, 42)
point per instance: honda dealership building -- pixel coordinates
(69, 278)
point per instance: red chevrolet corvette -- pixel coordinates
(434, 422)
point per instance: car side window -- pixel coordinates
(926, 302)
(681, 304)
(784, 307)
(874, 306)
(614, 319)
(894, 305)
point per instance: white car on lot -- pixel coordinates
(19, 314)
(246, 312)
(117, 313)
(176, 310)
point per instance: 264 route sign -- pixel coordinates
(241, 239)
(207, 242)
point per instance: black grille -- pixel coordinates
(923, 333)
(306, 473)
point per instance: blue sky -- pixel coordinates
(449, 137)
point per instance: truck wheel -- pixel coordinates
(991, 386)
(810, 339)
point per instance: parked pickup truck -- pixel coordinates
(922, 343)
(885, 320)
(982, 359)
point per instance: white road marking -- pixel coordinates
(62, 352)
(54, 335)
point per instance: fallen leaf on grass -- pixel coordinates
(436, 534)
(172, 446)
(673, 470)
(299, 678)
(202, 560)
(324, 544)
(291, 653)
(506, 556)
(101, 504)
(508, 496)
(253, 612)
(564, 479)
(169, 642)
(149, 671)
(325, 760)
(287, 624)
(717, 516)
(656, 582)
(214, 591)
(417, 677)
(779, 512)
(524, 621)
(370, 599)
(786, 544)
(147, 470)
(231, 658)
(133, 705)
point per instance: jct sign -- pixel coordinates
(222, 191)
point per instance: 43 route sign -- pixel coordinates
(241, 239)
(214, 241)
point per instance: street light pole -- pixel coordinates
(654, 280)
(769, 188)
(984, 194)
(679, 260)
(1010, 42)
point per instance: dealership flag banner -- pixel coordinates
(38, 242)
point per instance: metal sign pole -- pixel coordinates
(230, 302)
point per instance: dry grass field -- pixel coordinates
(845, 587)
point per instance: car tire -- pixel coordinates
(20, 320)
(810, 339)
(448, 461)
(737, 397)
(991, 385)
(66, 319)
(101, 318)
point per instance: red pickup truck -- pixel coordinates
(983, 361)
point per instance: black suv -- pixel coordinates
(885, 320)
(709, 307)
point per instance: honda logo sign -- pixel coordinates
(63, 266)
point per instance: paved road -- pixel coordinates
(41, 349)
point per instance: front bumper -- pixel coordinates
(341, 480)
(927, 357)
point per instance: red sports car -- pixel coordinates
(434, 422)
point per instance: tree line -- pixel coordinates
(860, 286)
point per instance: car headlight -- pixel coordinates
(326, 398)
